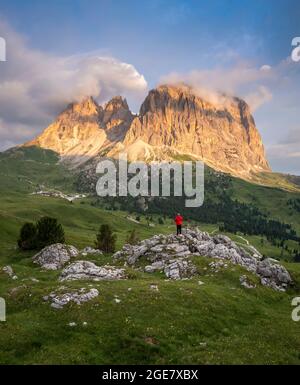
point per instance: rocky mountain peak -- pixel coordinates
(159, 97)
(117, 114)
(220, 131)
(174, 120)
(86, 107)
(116, 103)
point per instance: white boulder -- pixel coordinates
(55, 256)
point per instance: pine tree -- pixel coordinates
(28, 237)
(106, 239)
(133, 238)
(49, 231)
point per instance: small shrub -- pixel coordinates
(27, 238)
(133, 237)
(106, 239)
(36, 236)
(49, 231)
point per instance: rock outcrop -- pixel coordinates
(58, 301)
(171, 253)
(55, 256)
(173, 121)
(85, 270)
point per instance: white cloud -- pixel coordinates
(35, 86)
(266, 67)
(273, 95)
(259, 97)
(241, 80)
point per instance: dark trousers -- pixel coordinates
(178, 229)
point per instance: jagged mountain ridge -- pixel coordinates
(173, 121)
(83, 129)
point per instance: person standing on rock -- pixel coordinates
(178, 221)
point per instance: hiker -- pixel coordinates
(178, 221)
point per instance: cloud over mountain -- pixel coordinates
(35, 86)
(241, 79)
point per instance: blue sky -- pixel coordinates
(159, 36)
(192, 39)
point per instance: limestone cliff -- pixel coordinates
(174, 122)
(84, 129)
(175, 118)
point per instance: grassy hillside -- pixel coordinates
(275, 179)
(184, 322)
(272, 200)
(218, 322)
(23, 169)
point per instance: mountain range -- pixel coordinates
(174, 122)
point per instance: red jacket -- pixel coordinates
(178, 220)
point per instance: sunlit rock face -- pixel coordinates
(224, 134)
(173, 121)
(83, 129)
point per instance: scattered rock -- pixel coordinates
(151, 341)
(78, 297)
(154, 287)
(89, 250)
(246, 283)
(89, 271)
(15, 291)
(217, 265)
(55, 256)
(9, 271)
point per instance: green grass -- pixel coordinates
(271, 200)
(184, 323)
(23, 169)
(219, 322)
(274, 179)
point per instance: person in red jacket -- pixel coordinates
(178, 221)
